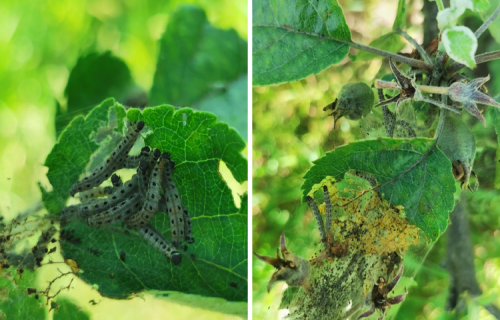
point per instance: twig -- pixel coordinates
(396, 57)
(493, 310)
(480, 58)
(487, 23)
(419, 48)
(460, 256)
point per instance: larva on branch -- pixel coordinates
(317, 215)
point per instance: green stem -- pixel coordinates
(440, 4)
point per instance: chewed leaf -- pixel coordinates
(121, 262)
(289, 41)
(69, 157)
(425, 191)
(461, 45)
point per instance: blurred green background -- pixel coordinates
(290, 130)
(40, 43)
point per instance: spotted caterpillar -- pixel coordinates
(113, 163)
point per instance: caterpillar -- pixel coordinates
(122, 211)
(158, 241)
(142, 172)
(132, 162)
(98, 192)
(94, 206)
(113, 163)
(174, 206)
(153, 194)
(319, 218)
(328, 209)
(116, 181)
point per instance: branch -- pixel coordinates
(396, 57)
(460, 256)
(487, 23)
(493, 310)
(480, 58)
(419, 48)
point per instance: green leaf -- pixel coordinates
(289, 41)
(225, 105)
(94, 78)
(426, 191)
(68, 310)
(216, 264)
(197, 60)
(480, 5)
(400, 21)
(390, 42)
(495, 117)
(461, 45)
(69, 157)
(14, 300)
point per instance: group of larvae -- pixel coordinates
(152, 189)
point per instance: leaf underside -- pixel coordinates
(426, 191)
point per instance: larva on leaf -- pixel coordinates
(123, 210)
(116, 181)
(174, 206)
(158, 241)
(142, 172)
(113, 163)
(153, 194)
(96, 192)
(132, 162)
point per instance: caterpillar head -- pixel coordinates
(290, 268)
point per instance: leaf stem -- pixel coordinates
(419, 48)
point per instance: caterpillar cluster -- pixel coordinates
(135, 202)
